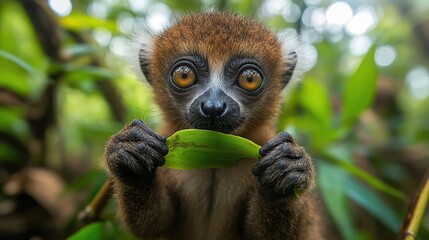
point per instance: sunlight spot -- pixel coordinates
(273, 7)
(385, 55)
(98, 9)
(291, 13)
(359, 45)
(318, 19)
(119, 46)
(309, 35)
(158, 17)
(417, 81)
(339, 14)
(138, 5)
(126, 22)
(102, 36)
(61, 7)
(307, 15)
(362, 21)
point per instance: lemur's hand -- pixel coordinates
(134, 154)
(285, 168)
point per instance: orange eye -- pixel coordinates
(250, 80)
(183, 77)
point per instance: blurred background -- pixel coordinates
(362, 109)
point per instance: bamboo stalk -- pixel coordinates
(93, 209)
(416, 211)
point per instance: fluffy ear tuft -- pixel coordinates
(144, 57)
(139, 52)
(297, 57)
(290, 65)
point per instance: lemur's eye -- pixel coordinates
(250, 80)
(183, 77)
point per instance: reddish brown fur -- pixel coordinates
(218, 36)
(220, 203)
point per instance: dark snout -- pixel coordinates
(215, 110)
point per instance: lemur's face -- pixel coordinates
(221, 73)
(216, 96)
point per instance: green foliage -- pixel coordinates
(246, 7)
(362, 195)
(352, 169)
(22, 62)
(359, 92)
(332, 183)
(362, 174)
(79, 22)
(319, 120)
(315, 100)
(11, 121)
(184, 5)
(335, 181)
(96, 231)
(100, 231)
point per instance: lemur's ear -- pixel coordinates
(144, 56)
(290, 64)
(139, 51)
(145, 52)
(295, 58)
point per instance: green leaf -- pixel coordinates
(23, 63)
(315, 99)
(373, 181)
(373, 204)
(102, 231)
(12, 79)
(12, 122)
(20, 63)
(332, 185)
(202, 149)
(77, 50)
(78, 22)
(316, 120)
(360, 89)
(94, 231)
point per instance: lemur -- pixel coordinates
(221, 72)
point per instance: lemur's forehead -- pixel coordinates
(218, 37)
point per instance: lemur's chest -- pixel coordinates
(212, 203)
